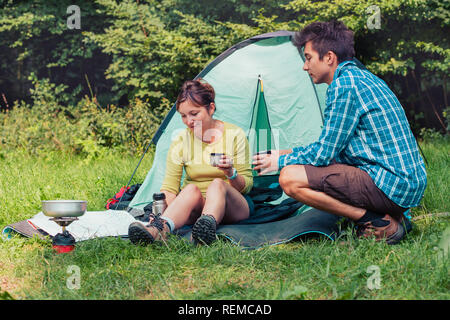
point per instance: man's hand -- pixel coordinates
(268, 162)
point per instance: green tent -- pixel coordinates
(261, 87)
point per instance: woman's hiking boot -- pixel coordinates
(157, 229)
(204, 229)
(386, 228)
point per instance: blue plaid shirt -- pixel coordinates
(365, 126)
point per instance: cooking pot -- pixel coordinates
(64, 208)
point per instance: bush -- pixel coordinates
(118, 75)
(87, 128)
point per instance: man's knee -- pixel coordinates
(292, 178)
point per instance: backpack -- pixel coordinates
(122, 199)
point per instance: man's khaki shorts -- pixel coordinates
(353, 186)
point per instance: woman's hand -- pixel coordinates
(226, 165)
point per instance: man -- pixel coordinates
(365, 165)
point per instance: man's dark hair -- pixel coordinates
(327, 36)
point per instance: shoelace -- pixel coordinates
(158, 223)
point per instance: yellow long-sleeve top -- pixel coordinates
(193, 154)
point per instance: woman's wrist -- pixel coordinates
(233, 174)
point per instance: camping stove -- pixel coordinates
(64, 212)
(63, 242)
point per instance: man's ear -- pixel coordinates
(331, 58)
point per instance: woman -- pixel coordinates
(210, 195)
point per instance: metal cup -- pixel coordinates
(262, 152)
(215, 158)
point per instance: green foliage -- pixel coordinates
(85, 129)
(429, 134)
(409, 48)
(153, 50)
(130, 58)
(34, 38)
(446, 115)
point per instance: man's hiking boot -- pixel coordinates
(386, 228)
(156, 230)
(204, 229)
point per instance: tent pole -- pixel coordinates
(134, 172)
(423, 154)
(155, 139)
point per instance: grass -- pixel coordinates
(113, 268)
